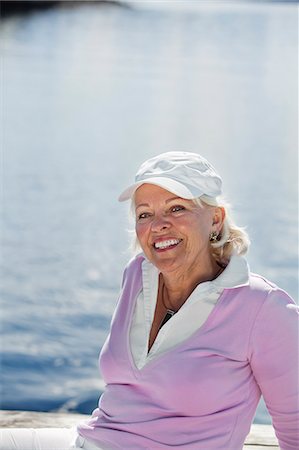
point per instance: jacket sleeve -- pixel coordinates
(274, 362)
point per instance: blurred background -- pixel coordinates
(89, 91)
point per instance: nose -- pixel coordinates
(160, 223)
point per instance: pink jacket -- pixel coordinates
(203, 393)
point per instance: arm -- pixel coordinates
(274, 362)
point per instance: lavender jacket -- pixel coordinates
(203, 393)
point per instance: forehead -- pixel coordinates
(149, 194)
(152, 190)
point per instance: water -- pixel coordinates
(89, 93)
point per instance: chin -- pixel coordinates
(166, 265)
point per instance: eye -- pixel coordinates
(144, 215)
(177, 208)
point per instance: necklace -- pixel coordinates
(169, 312)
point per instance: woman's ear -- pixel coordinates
(218, 218)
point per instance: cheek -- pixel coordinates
(141, 232)
(197, 230)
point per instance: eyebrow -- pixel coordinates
(141, 205)
(167, 201)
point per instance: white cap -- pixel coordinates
(185, 174)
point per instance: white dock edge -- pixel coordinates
(261, 437)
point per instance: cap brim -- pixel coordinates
(166, 183)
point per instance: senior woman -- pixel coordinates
(196, 338)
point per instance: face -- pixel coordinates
(173, 232)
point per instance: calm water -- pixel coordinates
(89, 93)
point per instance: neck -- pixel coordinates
(176, 288)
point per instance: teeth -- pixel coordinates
(165, 244)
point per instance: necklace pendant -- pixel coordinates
(168, 315)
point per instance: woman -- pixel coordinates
(196, 338)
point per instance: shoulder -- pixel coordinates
(259, 282)
(258, 288)
(275, 306)
(276, 324)
(133, 268)
(272, 292)
(261, 298)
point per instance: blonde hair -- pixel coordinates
(232, 239)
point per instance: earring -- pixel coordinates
(213, 236)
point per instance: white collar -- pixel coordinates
(236, 274)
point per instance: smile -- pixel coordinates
(162, 245)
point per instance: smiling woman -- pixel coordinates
(196, 338)
(174, 232)
(174, 235)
